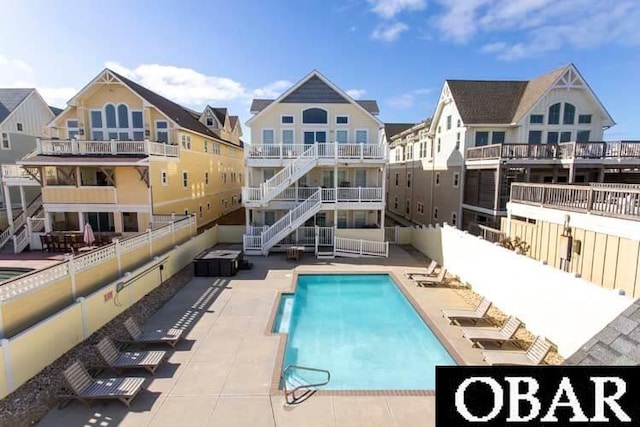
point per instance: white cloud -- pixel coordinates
(356, 93)
(387, 9)
(401, 102)
(57, 96)
(389, 32)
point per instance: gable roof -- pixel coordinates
(534, 91)
(616, 344)
(221, 114)
(55, 110)
(10, 99)
(486, 101)
(314, 88)
(233, 120)
(184, 117)
(393, 129)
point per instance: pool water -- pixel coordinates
(361, 329)
(7, 273)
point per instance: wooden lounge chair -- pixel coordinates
(119, 361)
(431, 280)
(533, 356)
(422, 272)
(495, 335)
(479, 313)
(171, 336)
(87, 389)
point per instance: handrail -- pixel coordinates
(292, 392)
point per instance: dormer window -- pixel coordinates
(209, 121)
(314, 116)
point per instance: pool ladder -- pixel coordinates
(307, 389)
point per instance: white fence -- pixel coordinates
(552, 303)
(361, 247)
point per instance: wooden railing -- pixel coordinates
(563, 150)
(74, 147)
(619, 202)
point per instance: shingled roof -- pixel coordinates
(499, 101)
(258, 105)
(179, 114)
(617, 344)
(392, 129)
(10, 99)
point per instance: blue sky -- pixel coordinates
(398, 52)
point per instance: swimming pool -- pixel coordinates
(362, 329)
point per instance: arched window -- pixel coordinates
(123, 116)
(314, 116)
(110, 113)
(554, 114)
(569, 114)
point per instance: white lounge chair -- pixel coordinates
(533, 356)
(170, 336)
(422, 272)
(494, 335)
(119, 361)
(87, 389)
(432, 280)
(479, 313)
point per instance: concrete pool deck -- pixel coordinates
(221, 374)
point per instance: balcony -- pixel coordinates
(610, 200)
(330, 152)
(17, 175)
(82, 194)
(253, 196)
(612, 150)
(74, 147)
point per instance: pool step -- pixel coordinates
(296, 388)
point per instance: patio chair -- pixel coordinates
(159, 336)
(494, 335)
(479, 313)
(87, 389)
(119, 361)
(431, 280)
(534, 355)
(422, 272)
(44, 243)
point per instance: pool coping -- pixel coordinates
(283, 337)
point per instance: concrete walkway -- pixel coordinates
(221, 374)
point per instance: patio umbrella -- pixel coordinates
(89, 238)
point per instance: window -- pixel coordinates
(482, 138)
(287, 120)
(136, 120)
(552, 137)
(200, 210)
(209, 121)
(5, 141)
(208, 206)
(185, 179)
(362, 136)
(554, 114)
(19, 127)
(448, 122)
(459, 122)
(438, 129)
(164, 178)
(457, 141)
(398, 151)
(435, 213)
(342, 219)
(565, 136)
(206, 178)
(205, 146)
(287, 136)
(535, 136)
(397, 178)
(456, 179)
(584, 118)
(110, 114)
(497, 137)
(123, 116)
(439, 145)
(454, 218)
(268, 136)
(420, 208)
(162, 131)
(342, 120)
(583, 136)
(361, 177)
(215, 148)
(423, 149)
(359, 219)
(186, 142)
(408, 179)
(312, 137)
(410, 151)
(407, 207)
(395, 203)
(536, 119)
(437, 178)
(72, 129)
(314, 116)
(342, 136)
(569, 114)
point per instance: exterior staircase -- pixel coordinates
(285, 178)
(260, 244)
(19, 233)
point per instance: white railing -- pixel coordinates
(331, 150)
(326, 236)
(5, 236)
(13, 288)
(17, 172)
(360, 194)
(113, 147)
(167, 218)
(20, 240)
(252, 242)
(287, 175)
(256, 230)
(361, 247)
(292, 219)
(273, 151)
(329, 195)
(94, 257)
(131, 243)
